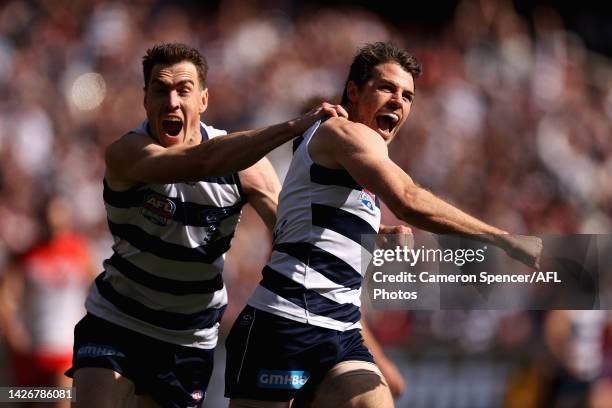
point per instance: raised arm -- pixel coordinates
(137, 158)
(364, 155)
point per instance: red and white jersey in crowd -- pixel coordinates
(56, 282)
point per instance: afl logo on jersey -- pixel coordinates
(367, 199)
(158, 209)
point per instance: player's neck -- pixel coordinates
(194, 137)
(352, 112)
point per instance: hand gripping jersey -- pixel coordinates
(164, 277)
(324, 234)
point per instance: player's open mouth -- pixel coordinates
(172, 126)
(387, 122)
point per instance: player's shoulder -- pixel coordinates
(342, 125)
(344, 131)
(130, 147)
(131, 140)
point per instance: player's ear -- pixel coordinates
(203, 100)
(352, 91)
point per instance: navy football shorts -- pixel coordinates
(270, 358)
(175, 376)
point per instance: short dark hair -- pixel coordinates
(372, 55)
(173, 53)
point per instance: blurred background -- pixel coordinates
(512, 122)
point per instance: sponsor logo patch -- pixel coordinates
(158, 209)
(280, 379)
(368, 199)
(97, 350)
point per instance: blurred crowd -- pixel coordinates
(512, 122)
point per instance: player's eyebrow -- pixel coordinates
(386, 81)
(157, 81)
(185, 82)
(409, 92)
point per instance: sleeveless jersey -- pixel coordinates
(324, 237)
(164, 277)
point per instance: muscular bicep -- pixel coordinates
(262, 187)
(137, 159)
(368, 163)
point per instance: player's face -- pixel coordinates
(383, 102)
(174, 101)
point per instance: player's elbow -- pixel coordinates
(409, 206)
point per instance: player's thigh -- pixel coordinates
(102, 388)
(353, 384)
(249, 403)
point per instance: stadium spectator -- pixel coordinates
(42, 298)
(529, 103)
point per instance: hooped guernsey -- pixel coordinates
(164, 277)
(323, 238)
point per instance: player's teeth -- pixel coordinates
(394, 118)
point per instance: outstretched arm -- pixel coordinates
(135, 158)
(363, 153)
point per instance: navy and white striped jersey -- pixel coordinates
(164, 277)
(324, 237)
